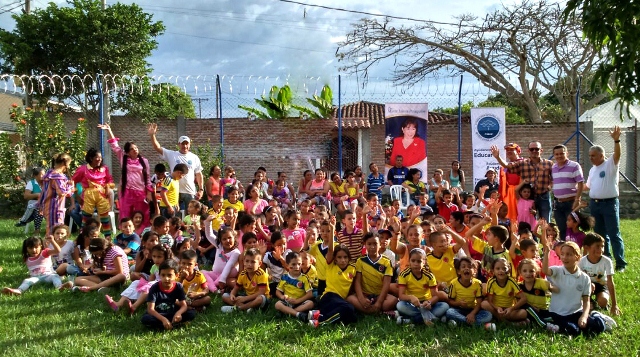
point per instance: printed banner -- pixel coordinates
(487, 129)
(406, 136)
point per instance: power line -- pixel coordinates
(376, 15)
(11, 9)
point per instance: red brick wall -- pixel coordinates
(289, 145)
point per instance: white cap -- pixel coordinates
(183, 139)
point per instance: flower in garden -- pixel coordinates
(28, 109)
(23, 122)
(14, 105)
(13, 115)
(73, 132)
(80, 119)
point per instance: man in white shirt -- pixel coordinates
(194, 176)
(604, 205)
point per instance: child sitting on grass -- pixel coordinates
(600, 269)
(166, 302)
(465, 297)
(294, 290)
(38, 261)
(252, 287)
(193, 281)
(419, 302)
(505, 300)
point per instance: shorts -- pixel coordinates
(600, 289)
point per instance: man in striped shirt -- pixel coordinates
(567, 187)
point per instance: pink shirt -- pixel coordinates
(248, 206)
(295, 238)
(524, 213)
(135, 178)
(110, 260)
(100, 176)
(40, 265)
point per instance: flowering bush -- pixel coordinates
(42, 136)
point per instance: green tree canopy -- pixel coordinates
(162, 100)
(82, 40)
(611, 26)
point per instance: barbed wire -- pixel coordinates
(352, 86)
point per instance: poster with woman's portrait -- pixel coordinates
(406, 136)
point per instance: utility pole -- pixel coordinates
(106, 116)
(200, 100)
(27, 6)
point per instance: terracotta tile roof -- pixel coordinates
(353, 123)
(354, 115)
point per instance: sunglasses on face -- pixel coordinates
(534, 149)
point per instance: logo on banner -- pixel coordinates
(488, 127)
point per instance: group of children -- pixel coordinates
(470, 268)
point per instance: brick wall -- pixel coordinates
(289, 145)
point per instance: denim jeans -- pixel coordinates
(50, 278)
(607, 216)
(184, 199)
(76, 214)
(561, 211)
(543, 206)
(418, 316)
(460, 315)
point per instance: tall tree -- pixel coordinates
(80, 40)
(153, 101)
(518, 51)
(611, 26)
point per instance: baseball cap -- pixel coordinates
(513, 146)
(490, 170)
(183, 139)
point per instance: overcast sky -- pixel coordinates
(248, 40)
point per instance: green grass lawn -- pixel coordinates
(46, 322)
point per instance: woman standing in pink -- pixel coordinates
(56, 188)
(213, 184)
(135, 184)
(97, 185)
(318, 189)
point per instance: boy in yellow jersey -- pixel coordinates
(319, 252)
(465, 297)
(418, 292)
(252, 286)
(493, 248)
(441, 259)
(373, 277)
(233, 200)
(294, 290)
(307, 268)
(193, 281)
(505, 300)
(170, 189)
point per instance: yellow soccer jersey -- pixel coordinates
(418, 287)
(250, 285)
(319, 252)
(239, 206)
(373, 273)
(294, 287)
(537, 296)
(339, 281)
(218, 219)
(466, 294)
(489, 256)
(442, 267)
(312, 274)
(503, 296)
(172, 188)
(196, 284)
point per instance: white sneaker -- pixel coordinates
(490, 326)
(609, 322)
(444, 319)
(452, 323)
(553, 328)
(402, 321)
(227, 309)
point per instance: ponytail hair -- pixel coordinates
(125, 157)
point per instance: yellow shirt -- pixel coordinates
(217, 221)
(418, 287)
(339, 281)
(537, 296)
(294, 287)
(442, 267)
(489, 256)
(251, 285)
(312, 274)
(373, 273)
(239, 206)
(196, 284)
(319, 252)
(467, 294)
(503, 296)
(172, 189)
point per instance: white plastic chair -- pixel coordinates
(397, 192)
